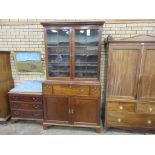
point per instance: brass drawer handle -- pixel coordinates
(36, 106)
(121, 107)
(35, 99)
(150, 109)
(119, 120)
(17, 113)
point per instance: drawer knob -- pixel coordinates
(121, 107)
(149, 121)
(119, 120)
(150, 109)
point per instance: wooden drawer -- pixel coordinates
(26, 105)
(120, 106)
(130, 120)
(27, 114)
(25, 98)
(147, 108)
(95, 91)
(70, 90)
(47, 89)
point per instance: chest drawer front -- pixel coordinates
(121, 106)
(27, 114)
(70, 90)
(26, 105)
(130, 120)
(26, 98)
(147, 108)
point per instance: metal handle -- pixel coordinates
(150, 109)
(17, 113)
(149, 121)
(119, 120)
(35, 99)
(36, 106)
(72, 111)
(121, 107)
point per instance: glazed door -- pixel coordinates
(146, 91)
(56, 109)
(85, 110)
(123, 70)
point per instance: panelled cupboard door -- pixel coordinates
(56, 109)
(85, 110)
(147, 77)
(122, 75)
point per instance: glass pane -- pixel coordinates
(89, 37)
(86, 53)
(58, 52)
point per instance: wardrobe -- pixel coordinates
(130, 88)
(6, 83)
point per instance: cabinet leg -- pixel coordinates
(13, 121)
(45, 126)
(98, 130)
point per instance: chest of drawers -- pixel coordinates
(26, 101)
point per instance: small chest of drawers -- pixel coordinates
(26, 101)
(26, 106)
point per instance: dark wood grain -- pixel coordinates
(6, 83)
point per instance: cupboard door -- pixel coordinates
(56, 109)
(85, 110)
(123, 65)
(147, 78)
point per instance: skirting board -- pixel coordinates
(5, 119)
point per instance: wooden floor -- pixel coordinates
(31, 128)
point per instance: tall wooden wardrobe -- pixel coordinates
(6, 83)
(130, 90)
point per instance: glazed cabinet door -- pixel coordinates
(146, 89)
(56, 109)
(123, 70)
(85, 111)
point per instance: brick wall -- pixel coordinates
(27, 35)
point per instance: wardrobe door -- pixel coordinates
(122, 75)
(146, 89)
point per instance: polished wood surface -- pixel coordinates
(146, 108)
(122, 67)
(115, 119)
(71, 97)
(26, 106)
(121, 106)
(85, 110)
(130, 92)
(147, 77)
(56, 109)
(6, 83)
